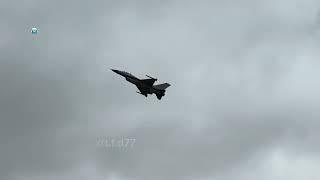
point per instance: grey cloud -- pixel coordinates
(243, 78)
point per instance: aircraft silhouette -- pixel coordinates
(145, 86)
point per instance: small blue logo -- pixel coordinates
(34, 31)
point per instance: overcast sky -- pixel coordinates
(244, 101)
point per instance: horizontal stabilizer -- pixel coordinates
(162, 86)
(159, 96)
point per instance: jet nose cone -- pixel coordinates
(114, 70)
(117, 71)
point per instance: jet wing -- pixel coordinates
(148, 82)
(142, 91)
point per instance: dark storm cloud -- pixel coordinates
(236, 103)
(243, 86)
(48, 86)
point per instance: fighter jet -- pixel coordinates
(145, 86)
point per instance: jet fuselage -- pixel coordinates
(141, 85)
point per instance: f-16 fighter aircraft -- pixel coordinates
(145, 86)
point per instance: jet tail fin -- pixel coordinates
(162, 86)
